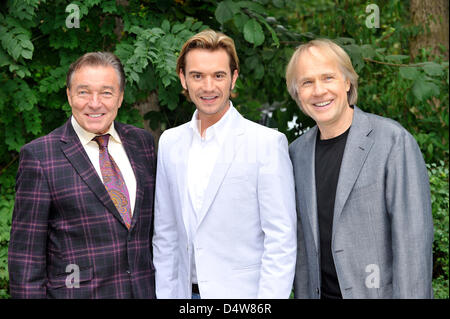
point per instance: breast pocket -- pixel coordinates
(365, 191)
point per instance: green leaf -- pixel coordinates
(109, 6)
(196, 25)
(136, 30)
(367, 51)
(433, 69)
(278, 3)
(27, 54)
(355, 53)
(253, 32)
(408, 72)
(271, 30)
(165, 26)
(26, 44)
(344, 41)
(423, 89)
(4, 58)
(253, 6)
(178, 27)
(239, 20)
(225, 11)
(16, 52)
(259, 72)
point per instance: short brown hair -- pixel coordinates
(98, 59)
(334, 51)
(210, 40)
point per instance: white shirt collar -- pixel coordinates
(218, 130)
(86, 137)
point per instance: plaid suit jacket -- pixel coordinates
(65, 226)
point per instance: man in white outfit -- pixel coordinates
(225, 220)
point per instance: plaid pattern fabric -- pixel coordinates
(64, 216)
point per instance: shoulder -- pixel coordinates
(44, 143)
(131, 129)
(172, 134)
(380, 122)
(261, 131)
(386, 129)
(132, 132)
(303, 139)
(388, 136)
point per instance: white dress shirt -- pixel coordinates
(117, 152)
(203, 154)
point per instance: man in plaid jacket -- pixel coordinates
(68, 239)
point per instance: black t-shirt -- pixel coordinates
(327, 166)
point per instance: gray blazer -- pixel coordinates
(382, 228)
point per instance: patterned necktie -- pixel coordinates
(113, 180)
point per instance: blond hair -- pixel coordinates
(334, 51)
(210, 40)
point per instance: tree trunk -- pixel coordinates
(150, 104)
(432, 15)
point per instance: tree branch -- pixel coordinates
(9, 164)
(392, 64)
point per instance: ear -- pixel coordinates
(121, 99)
(182, 79)
(234, 78)
(347, 85)
(69, 98)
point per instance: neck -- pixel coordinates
(208, 120)
(331, 130)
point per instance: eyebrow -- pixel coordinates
(198, 72)
(322, 75)
(87, 86)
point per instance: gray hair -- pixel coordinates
(98, 59)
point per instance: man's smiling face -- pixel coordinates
(322, 89)
(95, 97)
(208, 79)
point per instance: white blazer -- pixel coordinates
(245, 244)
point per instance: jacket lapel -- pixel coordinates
(306, 178)
(226, 156)
(355, 154)
(178, 157)
(76, 155)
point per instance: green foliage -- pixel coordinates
(7, 182)
(440, 202)
(37, 47)
(414, 93)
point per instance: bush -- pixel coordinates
(6, 208)
(440, 203)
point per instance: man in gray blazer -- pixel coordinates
(365, 227)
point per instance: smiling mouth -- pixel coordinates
(208, 98)
(322, 104)
(95, 115)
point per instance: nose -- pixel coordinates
(208, 83)
(95, 100)
(319, 88)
